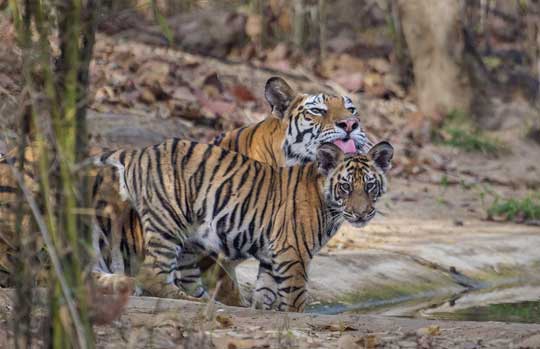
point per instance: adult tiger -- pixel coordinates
(299, 124)
(194, 198)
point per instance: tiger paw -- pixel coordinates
(171, 291)
(113, 284)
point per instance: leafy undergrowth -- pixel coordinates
(519, 210)
(459, 131)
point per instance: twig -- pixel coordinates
(9, 95)
(323, 34)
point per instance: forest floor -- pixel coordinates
(434, 241)
(433, 245)
(164, 323)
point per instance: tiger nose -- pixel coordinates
(348, 125)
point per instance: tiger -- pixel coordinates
(10, 211)
(194, 197)
(298, 124)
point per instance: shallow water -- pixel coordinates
(508, 302)
(528, 312)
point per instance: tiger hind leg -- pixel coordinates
(156, 274)
(188, 274)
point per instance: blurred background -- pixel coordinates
(453, 85)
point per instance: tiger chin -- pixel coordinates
(196, 200)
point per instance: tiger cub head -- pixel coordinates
(312, 120)
(354, 183)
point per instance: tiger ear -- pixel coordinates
(328, 157)
(279, 95)
(382, 154)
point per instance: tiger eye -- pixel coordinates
(345, 187)
(370, 186)
(317, 111)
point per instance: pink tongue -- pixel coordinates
(347, 146)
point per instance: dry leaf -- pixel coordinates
(184, 93)
(339, 327)
(373, 79)
(433, 330)
(242, 93)
(217, 107)
(237, 343)
(278, 53)
(254, 27)
(380, 65)
(147, 96)
(351, 82)
(212, 86)
(153, 73)
(347, 342)
(224, 321)
(369, 341)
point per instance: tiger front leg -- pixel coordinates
(265, 293)
(290, 273)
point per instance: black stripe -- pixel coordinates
(252, 133)
(122, 157)
(222, 197)
(188, 154)
(7, 189)
(237, 140)
(97, 183)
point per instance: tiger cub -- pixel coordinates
(196, 195)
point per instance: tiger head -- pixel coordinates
(354, 182)
(312, 120)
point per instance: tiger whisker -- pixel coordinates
(382, 213)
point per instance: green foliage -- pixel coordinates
(444, 182)
(162, 22)
(527, 208)
(472, 141)
(458, 131)
(492, 62)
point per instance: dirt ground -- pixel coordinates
(159, 323)
(242, 328)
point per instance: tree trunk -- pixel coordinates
(449, 76)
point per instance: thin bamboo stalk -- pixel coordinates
(64, 88)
